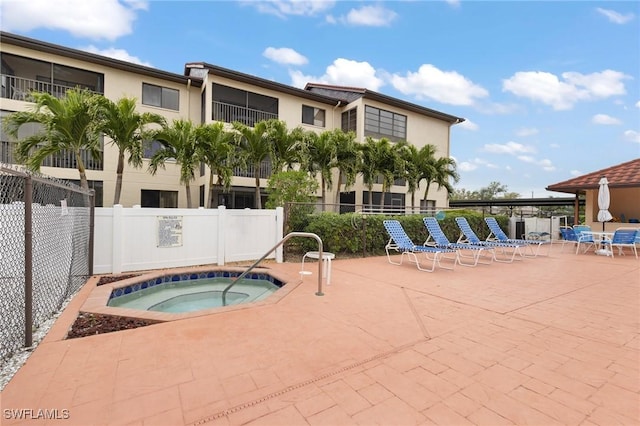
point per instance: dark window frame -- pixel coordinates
(310, 114)
(380, 123)
(164, 100)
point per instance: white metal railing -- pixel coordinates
(229, 113)
(20, 89)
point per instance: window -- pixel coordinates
(159, 199)
(150, 147)
(313, 116)
(97, 186)
(379, 123)
(231, 104)
(349, 120)
(162, 97)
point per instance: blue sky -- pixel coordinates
(550, 90)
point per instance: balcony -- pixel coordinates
(229, 113)
(264, 172)
(20, 89)
(63, 159)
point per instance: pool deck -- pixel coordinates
(551, 340)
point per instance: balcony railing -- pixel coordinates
(263, 173)
(21, 88)
(63, 159)
(228, 113)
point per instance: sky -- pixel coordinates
(549, 90)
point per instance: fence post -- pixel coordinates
(221, 235)
(117, 247)
(364, 235)
(28, 262)
(279, 232)
(92, 222)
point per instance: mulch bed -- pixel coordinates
(88, 324)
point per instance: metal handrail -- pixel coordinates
(282, 241)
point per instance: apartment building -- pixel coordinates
(206, 93)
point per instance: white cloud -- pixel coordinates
(527, 131)
(284, 55)
(576, 173)
(371, 16)
(468, 125)
(114, 53)
(512, 148)
(638, 104)
(343, 72)
(283, 8)
(632, 135)
(616, 17)
(554, 145)
(562, 95)
(604, 119)
(473, 164)
(454, 3)
(545, 163)
(447, 87)
(106, 19)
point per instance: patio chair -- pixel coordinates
(568, 236)
(584, 237)
(623, 237)
(467, 235)
(497, 234)
(440, 240)
(400, 242)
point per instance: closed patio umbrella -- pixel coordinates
(603, 205)
(603, 202)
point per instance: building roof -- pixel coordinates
(194, 68)
(349, 94)
(55, 49)
(625, 175)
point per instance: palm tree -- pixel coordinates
(69, 124)
(215, 148)
(321, 159)
(440, 171)
(380, 158)
(285, 145)
(126, 128)
(347, 159)
(255, 147)
(179, 144)
(411, 157)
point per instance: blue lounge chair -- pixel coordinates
(585, 237)
(437, 238)
(400, 242)
(623, 237)
(467, 235)
(568, 236)
(497, 234)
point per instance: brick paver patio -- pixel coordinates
(551, 340)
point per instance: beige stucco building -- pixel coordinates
(207, 93)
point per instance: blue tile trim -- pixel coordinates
(116, 292)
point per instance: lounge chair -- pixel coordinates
(623, 237)
(400, 242)
(585, 237)
(568, 236)
(467, 235)
(437, 238)
(497, 234)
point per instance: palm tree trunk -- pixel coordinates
(188, 188)
(413, 201)
(323, 190)
(119, 172)
(337, 199)
(426, 192)
(211, 190)
(256, 173)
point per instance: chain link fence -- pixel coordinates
(45, 251)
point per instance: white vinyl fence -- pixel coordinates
(136, 239)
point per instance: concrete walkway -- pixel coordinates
(551, 340)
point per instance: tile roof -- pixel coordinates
(619, 176)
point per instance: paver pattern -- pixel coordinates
(545, 341)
